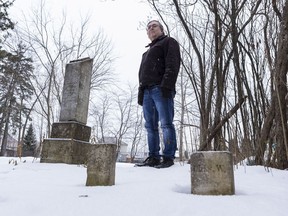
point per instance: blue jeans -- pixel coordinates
(157, 108)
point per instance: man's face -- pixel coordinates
(153, 30)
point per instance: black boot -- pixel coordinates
(150, 161)
(167, 162)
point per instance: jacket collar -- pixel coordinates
(156, 40)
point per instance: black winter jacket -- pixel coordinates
(160, 65)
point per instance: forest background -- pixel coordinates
(231, 90)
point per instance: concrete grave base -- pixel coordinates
(72, 130)
(69, 151)
(212, 173)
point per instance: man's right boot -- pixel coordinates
(150, 162)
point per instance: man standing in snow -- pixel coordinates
(157, 77)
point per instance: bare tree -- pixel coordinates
(228, 55)
(100, 112)
(136, 133)
(54, 44)
(278, 108)
(123, 115)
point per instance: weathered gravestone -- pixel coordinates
(69, 142)
(212, 173)
(101, 165)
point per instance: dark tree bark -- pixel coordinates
(281, 68)
(278, 108)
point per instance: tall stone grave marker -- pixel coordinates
(69, 142)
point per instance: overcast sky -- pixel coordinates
(119, 19)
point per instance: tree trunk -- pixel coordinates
(281, 68)
(278, 109)
(5, 134)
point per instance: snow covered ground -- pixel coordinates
(33, 188)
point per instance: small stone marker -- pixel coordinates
(101, 165)
(212, 173)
